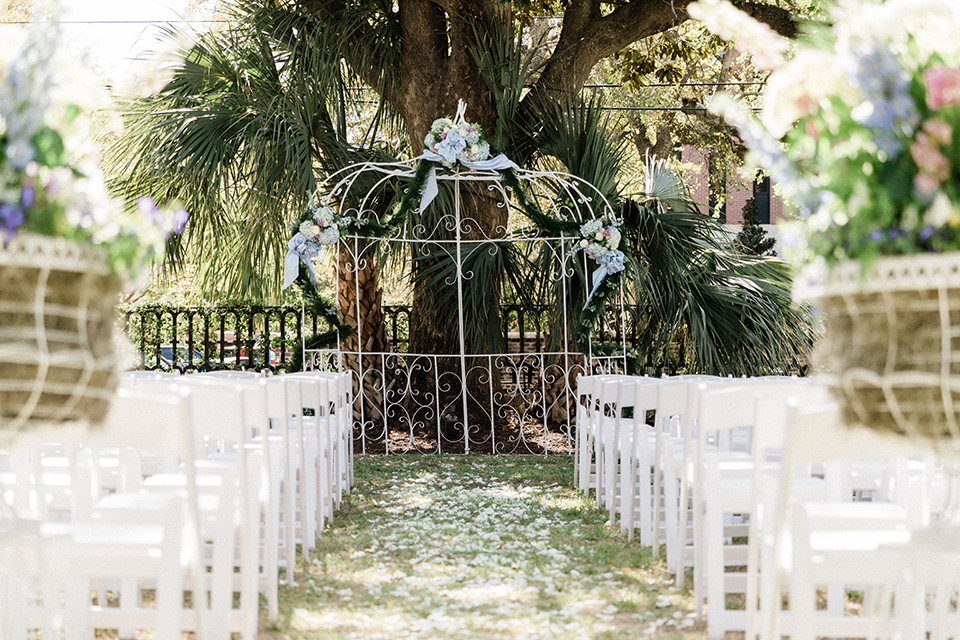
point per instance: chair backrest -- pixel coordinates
(817, 433)
(251, 388)
(731, 404)
(672, 400)
(155, 418)
(773, 408)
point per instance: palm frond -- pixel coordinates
(238, 134)
(507, 68)
(735, 311)
(663, 185)
(580, 136)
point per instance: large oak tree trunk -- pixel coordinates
(436, 70)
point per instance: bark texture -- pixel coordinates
(360, 303)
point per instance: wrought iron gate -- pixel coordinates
(468, 401)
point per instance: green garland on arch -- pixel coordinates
(321, 308)
(546, 226)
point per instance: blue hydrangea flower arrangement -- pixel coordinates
(455, 141)
(861, 127)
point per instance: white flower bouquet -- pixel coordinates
(601, 242)
(457, 141)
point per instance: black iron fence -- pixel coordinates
(200, 338)
(265, 337)
(226, 337)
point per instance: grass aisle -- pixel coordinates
(477, 547)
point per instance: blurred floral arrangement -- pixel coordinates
(50, 183)
(861, 127)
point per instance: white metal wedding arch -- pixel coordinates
(493, 402)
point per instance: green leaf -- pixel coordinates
(50, 149)
(71, 112)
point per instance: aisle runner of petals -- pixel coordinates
(479, 548)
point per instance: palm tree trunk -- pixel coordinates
(435, 325)
(360, 303)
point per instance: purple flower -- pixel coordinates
(877, 235)
(148, 208)
(11, 217)
(27, 197)
(180, 218)
(926, 233)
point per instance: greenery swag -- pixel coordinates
(319, 225)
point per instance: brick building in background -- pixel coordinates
(769, 205)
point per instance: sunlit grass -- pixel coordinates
(477, 547)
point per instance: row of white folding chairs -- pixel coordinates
(901, 555)
(314, 452)
(618, 454)
(320, 445)
(259, 463)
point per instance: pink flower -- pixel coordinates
(933, 165)
(943, 86)
(939, 130)
(925, 185)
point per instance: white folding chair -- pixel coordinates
(72, 558)
(834, 544)
(224, 413)
(748, 418)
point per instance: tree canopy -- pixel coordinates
(291, 90)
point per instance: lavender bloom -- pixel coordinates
(20, 153)
(877, 235)
(148, 208)
(27, 197)
(888, 144)
(180, 218)
(11, 217)
(926, 233)
(886, 104)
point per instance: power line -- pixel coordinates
(659, 109)
(677, 84)
(656, 84)
(26, 22)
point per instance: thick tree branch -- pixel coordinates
(587, 37)
(780, 20)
